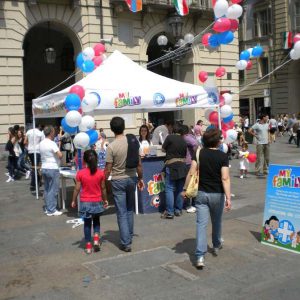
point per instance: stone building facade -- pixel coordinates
(267, 23)
(28, 27)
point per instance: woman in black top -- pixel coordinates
(176, 170)
(12, 158)
(214, 184)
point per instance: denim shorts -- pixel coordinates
(88, 209)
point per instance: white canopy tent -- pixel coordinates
(123, 86)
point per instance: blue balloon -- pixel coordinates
(228, 119)
(79, 60)
(87, 66)
(213, 41)
(245, 55)
(225, 37)
(72, 102)
(67, 128)
(93, 134)
(257, 51)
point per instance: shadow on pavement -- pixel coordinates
(256, 234)
(186, 246)
(111, 236)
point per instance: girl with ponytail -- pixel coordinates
(90, 182)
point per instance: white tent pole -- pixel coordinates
(35, 160)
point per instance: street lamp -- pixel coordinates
(176, 24)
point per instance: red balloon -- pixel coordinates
(234, 24)
(78, 90)
(249, 65)
(224, 134)
(252, 157)
(221, 100)
(222, 25)
(214, 118)
(236, 1)
(205, 39)
(97, 60)
(296, 38)
(203, 76)
(213, 2)
(99, 49)
(220, 72)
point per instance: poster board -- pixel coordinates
(281, 223)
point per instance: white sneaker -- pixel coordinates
(200, 262)
(241, 176)
(27, 174)
(191, 209)
(7, 174)
(10, 179)
(56, 213)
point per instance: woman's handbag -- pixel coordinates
(192, 188)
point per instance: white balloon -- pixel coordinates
(88, 53)
(297, 46)
(207, 112)
(226, 111)
(81, 140)
(250, 51)
(234, 11)
(227, 98)
(241, 64)
(87, 123)
(90, 102)
(73, 118)
(294, 55)
(231, 136)
(224, 148)
(221, 8)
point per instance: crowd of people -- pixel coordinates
(188, 150)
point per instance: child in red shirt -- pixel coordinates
(90, 182)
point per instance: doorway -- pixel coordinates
(39, 74)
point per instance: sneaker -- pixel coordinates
(200, 262)
(27, 174)
(88, 248)
(165, 215)
(7, 174)
(241, 176)
(260, 175)
(10, 179)
(178, 213)
(56, 213)
(191, 209)
(96, 243)
(125, 248)
(215, 251)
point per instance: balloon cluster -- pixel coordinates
(75, 103)
(227, 124)
(245, 63)
(295, 52)
(226, 23)
(91, 58)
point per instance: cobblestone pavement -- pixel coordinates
(42, 257)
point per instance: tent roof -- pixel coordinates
(124, 86)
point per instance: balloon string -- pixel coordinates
(71, 76)
(177, 51)
(267, 75)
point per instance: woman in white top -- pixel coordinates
(144, 140)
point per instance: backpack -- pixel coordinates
(133, 152)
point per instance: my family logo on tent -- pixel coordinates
(156, 186)
(158, 99)
(185, 100)
(286, 179)
(125, 100)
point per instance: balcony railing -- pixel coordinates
(193, 4)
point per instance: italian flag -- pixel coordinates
(287, 40)
(181, 7)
